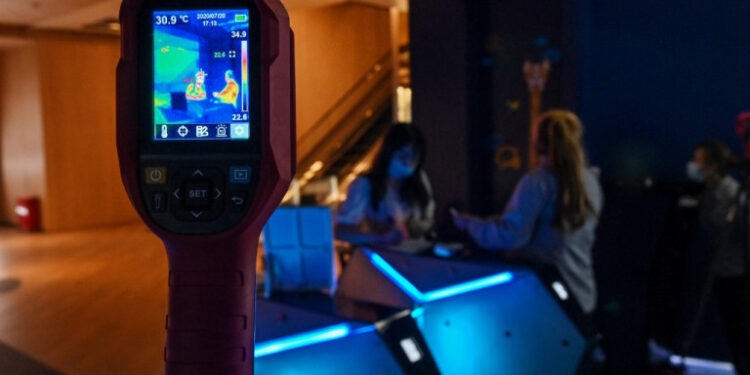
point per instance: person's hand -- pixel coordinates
(391, 237)
(460, 220)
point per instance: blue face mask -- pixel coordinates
(694, 172)
(399, 170)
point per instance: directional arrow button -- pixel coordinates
(198, 172)
(196, 214)
(176, 193)
(218, 194)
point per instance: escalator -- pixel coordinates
(347, 121)
(344, 140)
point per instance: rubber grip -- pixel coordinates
(210, 316)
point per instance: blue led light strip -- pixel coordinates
(698, 364)
(469, 286)
(395, 276)
(407, 287)
(317, 336)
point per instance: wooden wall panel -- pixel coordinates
(78, 99)
(334, 48)
(21, 139)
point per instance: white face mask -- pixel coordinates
(694, 172)
(399, 170)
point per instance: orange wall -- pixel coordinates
(21, 142)
(78, 101)
(334, 48)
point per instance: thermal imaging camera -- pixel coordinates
(206, 143)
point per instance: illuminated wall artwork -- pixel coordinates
(508, 157)
(536, 75)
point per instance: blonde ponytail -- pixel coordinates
(559, 139)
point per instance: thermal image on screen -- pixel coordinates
(201, 88)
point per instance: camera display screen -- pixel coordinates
(201, 75)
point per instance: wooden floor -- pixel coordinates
(88, 302)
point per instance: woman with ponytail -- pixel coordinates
(554, 210)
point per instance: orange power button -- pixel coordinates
(156, 175)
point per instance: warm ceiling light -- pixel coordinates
(109, 24)
(317, 166)
(114, 26)
(361, 167)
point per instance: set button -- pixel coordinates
(198, 194)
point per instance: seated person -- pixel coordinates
(394, 200)
(196, 90)
(554, 210)
(229, 94)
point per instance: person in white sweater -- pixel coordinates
(553, 213)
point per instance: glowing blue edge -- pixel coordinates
(423, 297)
(702, 364)
(309, 338)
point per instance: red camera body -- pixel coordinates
(210, 321)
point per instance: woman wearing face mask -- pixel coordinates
(554, 210)
(394, 200)
(725, 245)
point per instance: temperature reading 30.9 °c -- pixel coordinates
(172, 20)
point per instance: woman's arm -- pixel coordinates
(516, 226)
(353, 212)
(422, 220)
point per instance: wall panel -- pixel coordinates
(78, 99)
(334, 48)
(21, 141)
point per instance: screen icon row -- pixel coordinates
(212, 131)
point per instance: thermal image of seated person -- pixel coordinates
(196, 90)
(229, 94)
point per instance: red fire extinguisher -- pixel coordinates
(27, 210)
